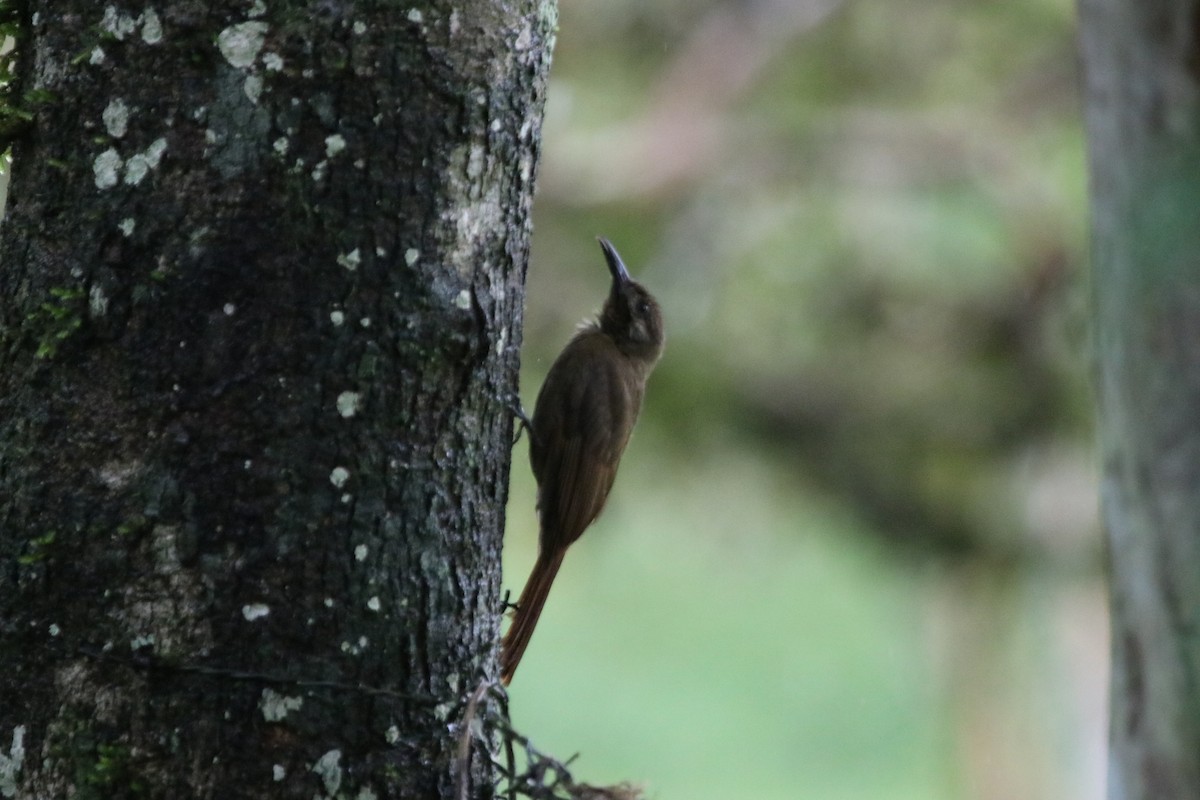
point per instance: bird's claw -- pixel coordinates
(513, 404)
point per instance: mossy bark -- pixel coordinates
(261, 278)
(1142, 66)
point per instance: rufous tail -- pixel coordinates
(529, 608)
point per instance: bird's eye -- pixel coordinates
(642, 307)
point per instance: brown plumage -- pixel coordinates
(582, 421)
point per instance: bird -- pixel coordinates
(582, 420)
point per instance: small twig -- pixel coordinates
(464, 737)
(510, 754)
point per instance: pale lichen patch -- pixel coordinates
(10, 764)
(334, 144)
(118, 24)
(127, 226)
(253, 87)
(272, 61)
(392, 734)
(329, 769)
(116, 118)
(339, 476)
(524, 38)
(373, 604)
(229, 309)
(275, 706)
(469, 217)
(97, 301)
(359, 27)
(463, 300)
(337, 318)
(360, 552)
(415, 15)
(257, 9)
(241, 43)
(350, 260)
(117, 475)
(105, 168)
(152, 605)
(475, 161)
(140, 164)
(142, 641)
(278, 773)
(97, 56)
(411, 255)
(152, 32)
(253, 611)
(357, 648)
(281, 145)
(348, 403)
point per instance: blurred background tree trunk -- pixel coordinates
(261, 275)
(1142, 65)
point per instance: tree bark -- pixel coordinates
(1142, 66)
(261, 281)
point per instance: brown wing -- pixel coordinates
(582, 421)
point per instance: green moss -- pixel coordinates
(39, 548)
(56, 320)
(134, 526)
(99, 769)
(111, 770)
(107, 772)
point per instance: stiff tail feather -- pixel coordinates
(529, 608)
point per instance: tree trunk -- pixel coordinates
(261, 279)
(1142, 66)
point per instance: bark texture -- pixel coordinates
(1142, 66)
(261, 277)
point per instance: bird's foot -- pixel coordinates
(513, 404)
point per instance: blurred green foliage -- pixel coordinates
(863, 476)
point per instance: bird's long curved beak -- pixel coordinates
(615, 265)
